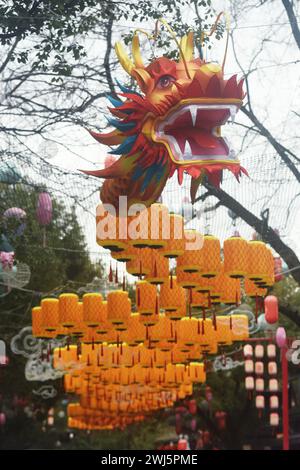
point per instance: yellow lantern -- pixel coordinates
(146, 298)
(36, 318)
(223, 332)
(50, 314)
(196, 372)
(68, 310)
(175, 244)
(141, 264)
(159, 272)
(92, 303)
(108, 228)
(172, 297)
(136, 331)
(118, 307)
(211, 256)
(236, 256)
(187, 280)
(198, 299)
(127, 255)
(191, 260)
(239, 327)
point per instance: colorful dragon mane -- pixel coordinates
(174, 124)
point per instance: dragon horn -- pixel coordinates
(187, 46)
(136, 52)
(124, 60)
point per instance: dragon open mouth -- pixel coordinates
(192, 132)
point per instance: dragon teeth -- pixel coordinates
(193, 111)
(187, 150)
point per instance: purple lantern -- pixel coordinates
(16, 213)
(44, 212)
(44, 209)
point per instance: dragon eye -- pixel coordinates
(165, 81)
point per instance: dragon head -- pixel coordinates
(174, 124)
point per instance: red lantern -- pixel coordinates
(221, 419)
(192, 405)
(271, 309)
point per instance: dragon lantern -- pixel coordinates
(174, 124)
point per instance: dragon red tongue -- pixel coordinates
(201, 141)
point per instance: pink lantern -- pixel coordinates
(259, 385)
(274, 419)
(248, 350)
(272, 368)
(2, 419)
(260, 402)
(259, 351)
(274, 402)
(273, 385)
(249, 366)
(271, 351)
(278, 269)
(259, 368)
(44, 209)
(281, 337)
(271, 309)
(249, 383)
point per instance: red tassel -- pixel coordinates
(171, 280)
(156, 305)
(214, 320)
(110, 276)
(256, 308)
(124, 282)
(116, 275)
(138, 296)
(230, 322)
(209, 300)
(155, 269)
(203, 328)
(203, 313)
(237, 298)
(198, 326)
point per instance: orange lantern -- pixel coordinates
(92, 303)
(257, 260)
(175, 244)
(50, 314)
(172, 296)
(141, 264)
(69, 313)
(191, 260)
(118, 307)
(211, 256)
(146, 298)
(108, 229)
(159, 272)
(235, 251)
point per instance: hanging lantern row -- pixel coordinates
(95, 320)
(261, 369)
(159, 235)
